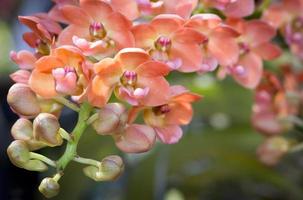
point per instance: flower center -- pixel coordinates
(42, 47)
(129, 78)
(244, 48)
(297, 24)
(161, 110)
(163, 44)
(97, 31)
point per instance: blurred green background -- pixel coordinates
(215, 160)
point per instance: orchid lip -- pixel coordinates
(42, 47)
(65, 79)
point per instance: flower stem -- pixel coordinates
(65, 135)
(92, 118)
(67, 103)
(296, 148)
(43, 159)
(57, 176)
(71, 148)
(87, 161)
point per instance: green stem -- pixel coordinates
(42, 158)
(296, 148)
(87, 161)
(264, 5)
(71, 148)
(57, 176)
(92, 118)
(64, 134)
(67, 103)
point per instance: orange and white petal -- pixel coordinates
(43, 84)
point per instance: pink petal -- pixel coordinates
(252, 70)
(76, 15)
(188, 35)
(158, 90)
(165, 24)
(223, 46)
(179, 114)
(66, 36)
(153, 69)
(268, 51)
(145, 35)
(136, 139)
(128, 8)
(240, 8)
(20, 76)
(169, 134)
(97, 10)
(257, 32)
(131, 58)
(24, 59)
(190, 55)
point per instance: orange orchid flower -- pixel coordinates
(63, 72)
(95, 28)
(134, 76)
(168, 41)
(167, 118)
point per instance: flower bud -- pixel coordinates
(110, 168)
(23, 100)
(18, 153)
(112, 118)
(272, 149)
(136, 138)
(23, 130)
(46, 127)
(49, 187)
(35, 165)
(50, 106)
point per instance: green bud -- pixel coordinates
(112, 117)
(50, 106)
(23, 100)
(23, 130)
(49, 187)
(46, 127)
(18, 153)
(110, 168)
(35, 165)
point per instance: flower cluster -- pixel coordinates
(276, 112)
(109, 60)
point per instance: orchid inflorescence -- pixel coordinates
(108, 61)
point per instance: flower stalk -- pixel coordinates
(71, 148)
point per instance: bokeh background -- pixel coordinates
(215, 160)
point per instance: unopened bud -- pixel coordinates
(23, 130)
(46, 127)
(111, 167)
(18, 153)
(50, 106)
(23, 100)
(272, 150)
(49, 187)
(112, 117)
(35, 165)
